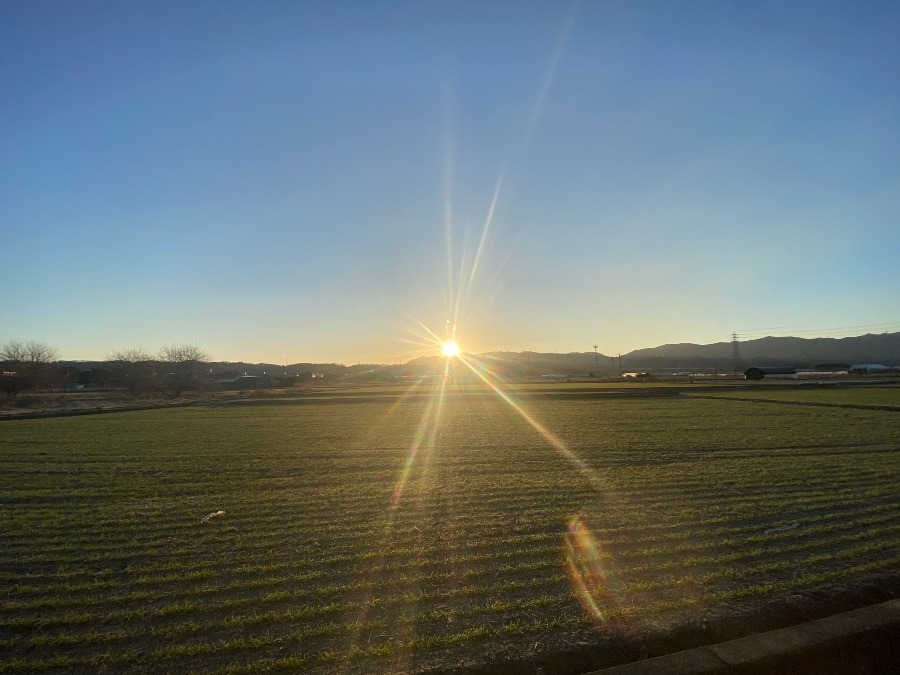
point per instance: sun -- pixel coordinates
(450, 349)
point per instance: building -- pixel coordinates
(858, 368)
(771, 373)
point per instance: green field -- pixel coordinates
(377, 533)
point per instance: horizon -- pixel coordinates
(438, 356)
(319, 183)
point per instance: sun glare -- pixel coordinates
(450, 349)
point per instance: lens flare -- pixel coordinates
(416, 476)
(587, 568)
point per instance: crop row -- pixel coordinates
(824, 549)
(348, 547)
(352, 551)
(355, 544)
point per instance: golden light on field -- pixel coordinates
(450, 349)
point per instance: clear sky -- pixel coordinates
(310, 181)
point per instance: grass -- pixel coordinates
(345, 545)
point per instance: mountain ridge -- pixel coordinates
(801, 352)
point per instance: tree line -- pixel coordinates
(28, 365)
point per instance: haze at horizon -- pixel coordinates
(310, 182)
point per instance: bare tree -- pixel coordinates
(134, 368)
(186, 361)
(131, 355)
(25, 365)
(27, 352)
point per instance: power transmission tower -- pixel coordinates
(736, 353)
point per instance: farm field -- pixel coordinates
(449, 530)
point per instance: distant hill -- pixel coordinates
(803, 352)
(870, 348)
(768, 351)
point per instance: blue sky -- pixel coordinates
(311, 181)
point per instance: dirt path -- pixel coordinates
(821, 404)
(91, 407)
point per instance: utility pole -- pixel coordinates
(596, 363)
